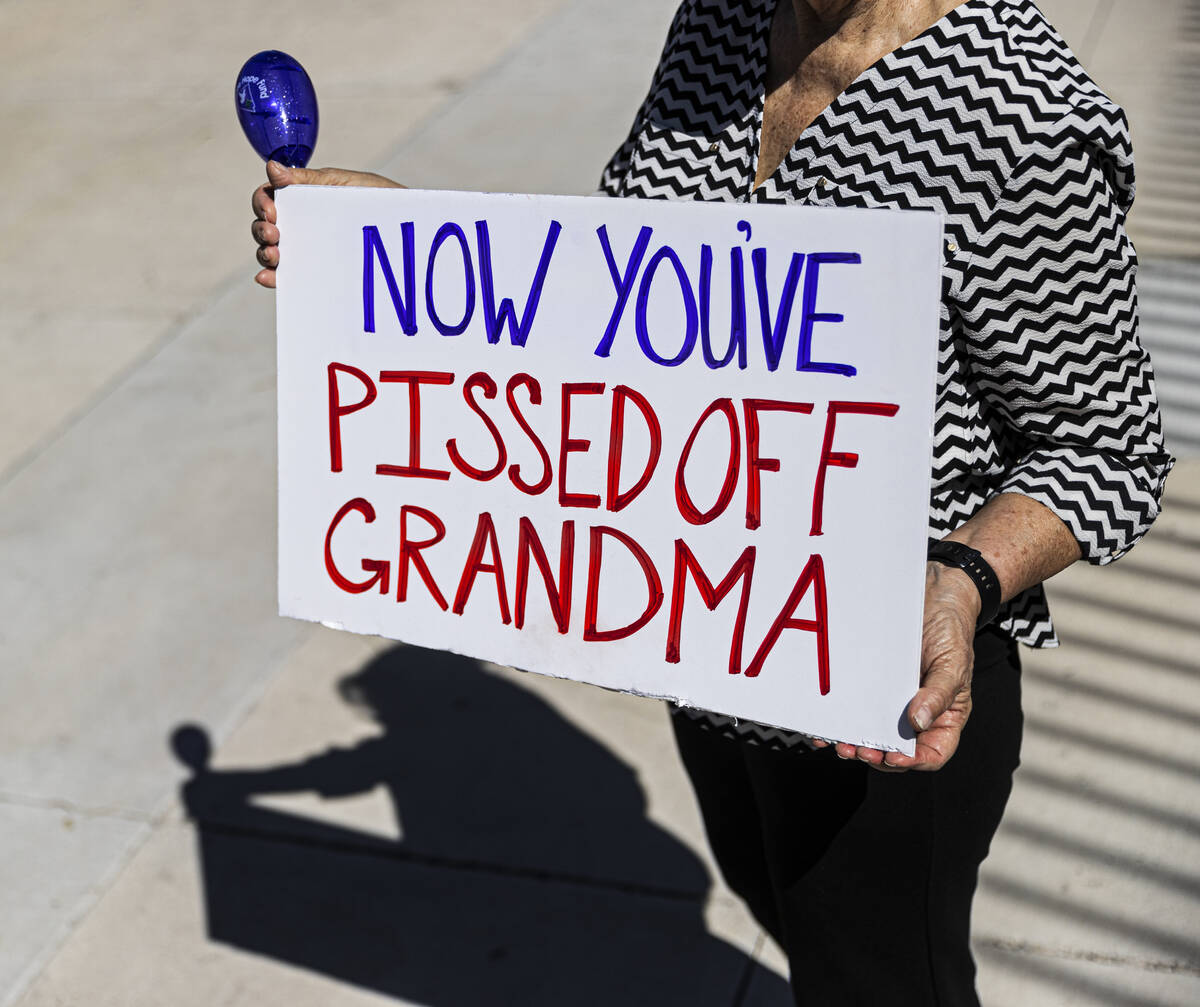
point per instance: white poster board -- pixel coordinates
(551, 432)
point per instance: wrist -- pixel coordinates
(969, 576)
(952, 587)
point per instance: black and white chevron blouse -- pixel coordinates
(988, 119)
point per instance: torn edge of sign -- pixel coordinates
(630, 691)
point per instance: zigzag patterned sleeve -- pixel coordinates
(613, 176)
(1049, 309)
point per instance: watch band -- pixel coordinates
(970, 562)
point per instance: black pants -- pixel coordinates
(865, 879)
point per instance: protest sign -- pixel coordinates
(679, 450)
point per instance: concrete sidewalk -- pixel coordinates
(136, 529)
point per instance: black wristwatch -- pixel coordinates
(970, 562)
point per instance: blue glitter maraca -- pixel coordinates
(277, 107)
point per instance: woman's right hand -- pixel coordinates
(266, 234)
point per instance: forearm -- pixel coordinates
(1022, 540)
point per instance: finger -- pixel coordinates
(885, 767)
(937, 746)
(900, 762)
(933, 754)
(263, 203)
(267, 255)
(265, 278)
(871, 756)
(264, 233)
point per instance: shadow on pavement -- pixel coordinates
(527, 872)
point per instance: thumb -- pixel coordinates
(280, 175)
(942, 683)
(933, 699)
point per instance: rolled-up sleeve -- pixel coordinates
(1049, 313)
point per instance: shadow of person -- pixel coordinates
(527, 872)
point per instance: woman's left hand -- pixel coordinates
(939, 710)
(1025, 543)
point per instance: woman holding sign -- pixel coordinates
(1048, 446)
